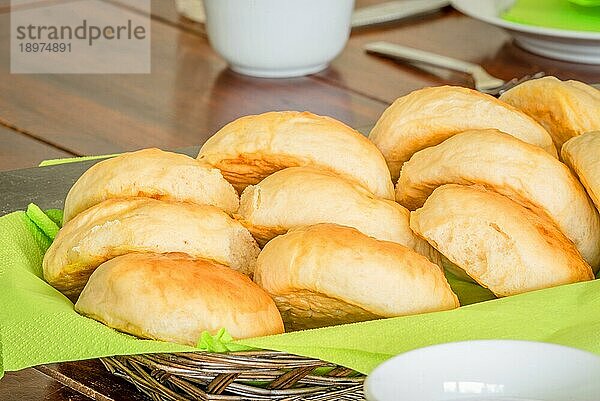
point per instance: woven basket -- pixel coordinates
(252, 375)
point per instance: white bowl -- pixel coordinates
(278, 38)
(488, 370)
(560, 44)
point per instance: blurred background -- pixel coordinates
(190, 92)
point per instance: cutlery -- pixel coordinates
(484, 82)
(395, 10)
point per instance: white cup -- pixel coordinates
(278, 38)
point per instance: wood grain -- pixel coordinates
(93, 380)
(30, 384)
(187, 97)
(447, 32)
(21, 151)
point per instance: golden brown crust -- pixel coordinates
(582, 154)
(502, 245)
(172, 297)
(119, 226)
(250, 169)
(428, 116)
(253, 147)
(262, 234)
(511, 167)
(151, 173)
(329, 274)
(565, 108)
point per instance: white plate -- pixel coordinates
(488, 370)
(576, 46)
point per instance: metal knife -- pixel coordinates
(395, 10)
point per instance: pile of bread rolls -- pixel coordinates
(292, 220)
(485, 186)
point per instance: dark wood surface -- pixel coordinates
(189, 95)
(21, 151)
(31, 384)
(448, 33)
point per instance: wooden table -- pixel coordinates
(191, 93)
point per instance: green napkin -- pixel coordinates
(468, 292)
(568, 315)
(39, 325)
(65, 160)
(561, 14)
(586, 3)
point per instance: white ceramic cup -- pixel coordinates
(487, 370)
(278, 38)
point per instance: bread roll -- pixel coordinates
(565, 108)
(511, 167)
(251, 148)
(502, 245)
(151, 173)
(428, 116)
(328, 274)
(175, 298)
(582, 154)
(119, 226)
(301, 196)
